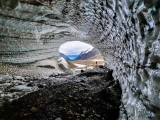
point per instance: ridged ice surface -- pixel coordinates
(127, 32)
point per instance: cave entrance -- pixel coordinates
(79, 55)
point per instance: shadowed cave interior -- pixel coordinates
(126, 32)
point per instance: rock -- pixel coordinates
(101, 66)
(18, 78)
(46, 66)
(58, 118)
(44, 85)
(40, 86)
(82, 115)
(83, 84)
(80, 104)
(84, 111)
(82, 71)
(33, 109)
(40, 94)
(97, 115)
(89, 98)
(54, 75)
(5, 85)
(109, 74)
(30, 84)
(5, 77)
(75, 98)
(83, 81)
(27, 78)
(70, 96)
(50, 96)
(21, 88)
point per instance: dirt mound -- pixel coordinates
(79, 97)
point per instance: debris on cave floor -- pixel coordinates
(90, 95)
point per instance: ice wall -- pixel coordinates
(31, 30)
(127, 32)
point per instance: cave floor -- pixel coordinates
(42, 68)
(90, 95)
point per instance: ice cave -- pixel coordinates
(126, 33)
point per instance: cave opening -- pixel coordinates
(125, 31)
(79, 55)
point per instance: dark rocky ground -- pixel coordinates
(90, 95)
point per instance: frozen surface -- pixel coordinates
(127, 33)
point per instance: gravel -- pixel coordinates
(91, 95)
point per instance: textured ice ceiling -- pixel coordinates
(127, 32)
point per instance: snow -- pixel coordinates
(62, 61)
(79, 65)
(21, 87)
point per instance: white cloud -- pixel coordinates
(74, 47)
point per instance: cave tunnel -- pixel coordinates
(126, 32)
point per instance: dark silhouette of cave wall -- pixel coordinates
(127, 32)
